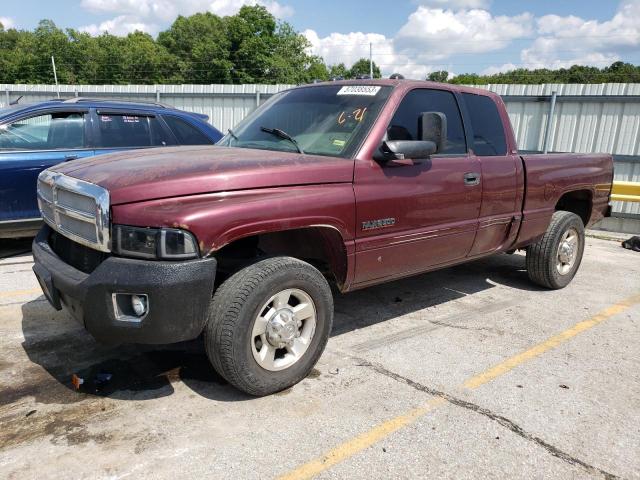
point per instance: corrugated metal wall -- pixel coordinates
(606, 121)
(225, 105)
(587, 118)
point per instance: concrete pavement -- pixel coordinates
(424, 377)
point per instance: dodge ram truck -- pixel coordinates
(349, 183)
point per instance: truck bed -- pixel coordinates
(548, 180)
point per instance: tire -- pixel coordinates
(548, 262)
(237, 314)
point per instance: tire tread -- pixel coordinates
(225, 314)
(540, 259)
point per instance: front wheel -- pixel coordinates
(553, 261)
(268, 325)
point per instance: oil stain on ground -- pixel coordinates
(149, 374)
(63, 426)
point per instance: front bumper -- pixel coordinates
(179, 294)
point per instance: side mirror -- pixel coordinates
(408, 149)
(432, 127)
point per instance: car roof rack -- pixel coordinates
(112, 100)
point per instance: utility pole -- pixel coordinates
(370, 60)
(55, 74)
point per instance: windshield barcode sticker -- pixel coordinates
(367, 90)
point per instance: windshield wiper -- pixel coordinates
(282, 134)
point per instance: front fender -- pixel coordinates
(217, 219)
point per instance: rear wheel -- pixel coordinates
(553, 261)
(268, 325)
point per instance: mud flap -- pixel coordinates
(512, 232)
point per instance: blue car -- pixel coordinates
(36, 136)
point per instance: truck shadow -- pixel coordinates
(12, 247)
(379, 303)
(140, 372)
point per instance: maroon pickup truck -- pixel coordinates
(346, 183)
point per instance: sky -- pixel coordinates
(411, 37)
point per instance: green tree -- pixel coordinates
(290, 62)
(33, 50)
(145, 61)
(317, 70)
(96, 59)
(620, 72)
(8, 62)
(466, 79)
(249, 47)
(438, 76)
(338, 71)
(251, 33)
(617, 72)
(362, 67)
(264, 50)
(201, 48)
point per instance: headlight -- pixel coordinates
(159, 243)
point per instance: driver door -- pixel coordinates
(413, 216)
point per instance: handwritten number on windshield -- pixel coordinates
(357, 115)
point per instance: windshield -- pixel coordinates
(326, 120)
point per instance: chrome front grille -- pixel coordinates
(77, 209)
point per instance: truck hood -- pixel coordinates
(139, 175)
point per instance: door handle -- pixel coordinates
(70, 157)
(471, 179)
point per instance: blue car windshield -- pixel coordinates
(329, 120)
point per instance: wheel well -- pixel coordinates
(578, 202)
(322, 247)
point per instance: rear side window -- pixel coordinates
(488, 131)
(404, 125)
(160, 136)
(52, 131)
(185, 133)
(124, 131)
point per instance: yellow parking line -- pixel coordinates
(20, 293)
(364, 440)
(552, 342)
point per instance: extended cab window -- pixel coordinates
(59, 130)
(185, 133)
(330, 120)
(404, 125)
(130, 130)
(488, 131)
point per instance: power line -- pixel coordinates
(268, 78)
(238, 66)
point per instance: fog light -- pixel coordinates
(139, 304)
(130, 307)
